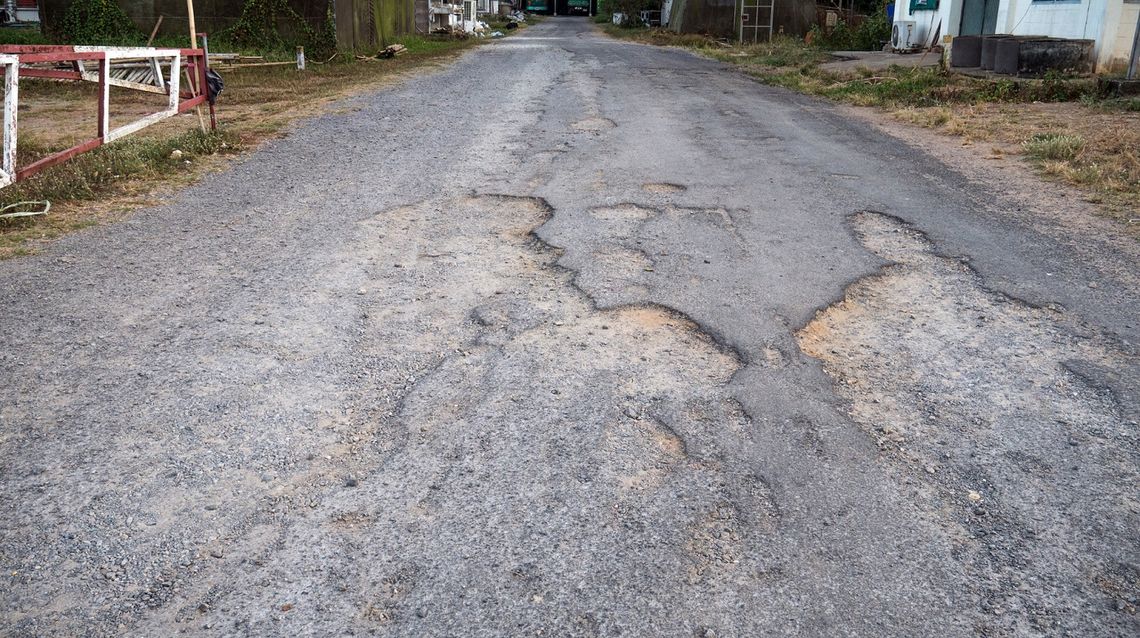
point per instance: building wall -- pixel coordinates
(1120, 24)
(944, 21)
(1065, 19)
(1111, 23)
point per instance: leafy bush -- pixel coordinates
(22, 36)
(273, 25)
(98, 22)
(868, 36)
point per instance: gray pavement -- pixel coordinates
(574, 337)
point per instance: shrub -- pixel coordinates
(868, 36)
(273, 25)
(97, 22)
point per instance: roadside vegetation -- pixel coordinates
(1062, 125)
(257, 103)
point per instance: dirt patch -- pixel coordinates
(594, 124)
(1001, 411)
(663, 188)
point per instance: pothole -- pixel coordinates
(973, 393)
(663, 188)
(504, 407)
(594, 124)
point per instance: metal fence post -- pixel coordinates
(104, 98)
(1134, 61)
(11, 112)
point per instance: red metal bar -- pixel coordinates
(196, 63)
(205, 90)
(61, 57)
(52, 160)
(28, 72)
(191, 103)
(20, 49)
(104, 125)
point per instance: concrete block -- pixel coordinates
(1037, 56)
(966, 51)
(989, 50)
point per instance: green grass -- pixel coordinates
(1053, 146)
(88, 175)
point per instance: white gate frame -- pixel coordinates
(11, 66)
(17, 60)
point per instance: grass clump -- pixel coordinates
(1053, 146)
(91, 174)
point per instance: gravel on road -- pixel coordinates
(574, 337)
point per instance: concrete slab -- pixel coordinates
(878, 60)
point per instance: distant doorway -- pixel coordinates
(979, 17)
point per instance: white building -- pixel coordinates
(1111, 24)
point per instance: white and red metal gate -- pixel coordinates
(169, 67)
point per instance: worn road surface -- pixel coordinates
(574, 337)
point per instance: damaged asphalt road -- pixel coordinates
(575, 337)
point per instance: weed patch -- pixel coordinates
(91, 174)
(1053, 146)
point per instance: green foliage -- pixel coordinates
(868, 36)
(782, 51)
(632, 9)
(98, 22)
(1059, 87)
(22, 35)
(273, 25)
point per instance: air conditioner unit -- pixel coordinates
(904, 36)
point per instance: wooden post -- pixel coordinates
(193, 28)
(194, 45)
(154, 32)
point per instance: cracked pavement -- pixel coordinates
(629, 345)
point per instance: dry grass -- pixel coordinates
(1085, 145)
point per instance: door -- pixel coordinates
(979, 17)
